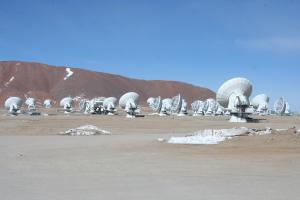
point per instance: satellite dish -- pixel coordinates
(211, 106)
(287, 108)
(155, 104)
(195, 107)
(30, 102)
(129, 102)
(150, 100)
(234, 95)
(183, 110)
(199, 108)
(96, 105)
(13, 105)
(83, 104)
(176, 104)
(280, 106)
(110, 105)
(47, 103)
(220, 110)
(260, 104)
(166, 107)
(67, 104)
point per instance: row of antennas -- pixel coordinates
(169, 106)
(101, 105)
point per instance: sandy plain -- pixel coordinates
(38, 163)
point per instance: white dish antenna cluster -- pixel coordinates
(168, 106)
(260, 103)
(210, 107)
(234, 95)
(13, 105)
(130, 103)
(198, 107)
(67, 104)
(98, 105)
(281, 107)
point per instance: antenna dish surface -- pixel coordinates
(130, 96)
(13, 101)
(176, 104)
(66, 100)
(47, 103)
(280, 106)
(260, 100)
(239, 86)
(156, 104)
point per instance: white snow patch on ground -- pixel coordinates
(8, 82)
(86, 130)
(69, 73)
(214, 136)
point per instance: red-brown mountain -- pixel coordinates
(28, 79)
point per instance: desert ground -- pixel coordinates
(37, 162)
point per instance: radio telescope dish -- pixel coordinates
(67, 104)
(110, 105)
(166, 107)
(30, 102)
(183, 109)
(47, 103)
(195, 106)
(155, 103)
(234, 95)
(211, 105)
(220, 110)
(287, 108)
(176, 104)
(13, 105)
(280, 106)
(150, 100)
(83, 104)
(96, 105)
(260, 103)
(129, 102)
(198, 107)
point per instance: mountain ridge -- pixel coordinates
(33, 79)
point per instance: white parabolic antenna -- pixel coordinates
(150, 100)
(183, 108)
(110, 104)
(155, 103)
(129, 102)
(234, 95)
(280, 106)
(30, 102)
(260, 102)
(166, 107)
(47, 103)
(195, 106)
(13, 104)
(176, 104)
(211, 106)
(67, 104)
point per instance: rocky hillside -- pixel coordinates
(27, 79)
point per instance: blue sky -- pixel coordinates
(200, 42)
